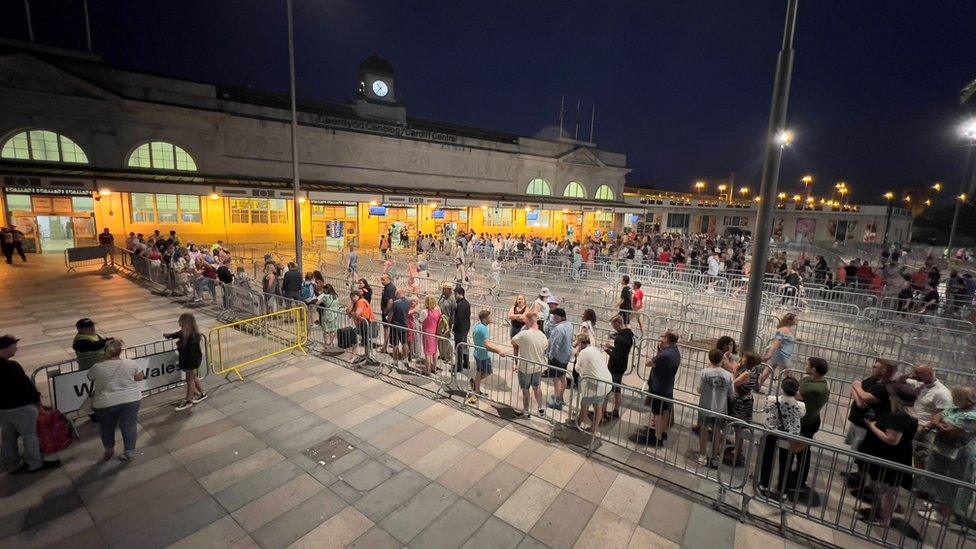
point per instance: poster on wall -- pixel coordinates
(778, 229)
(806, 229)
(851, 230)
(871, 231)
(658, 221)
(712, 225)
(832, 228)
(743, 221)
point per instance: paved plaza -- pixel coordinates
(392, 466)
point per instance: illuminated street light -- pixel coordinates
(722, 187)
(937, 187)
(700, 186)
(784, 138)
(963, 197)
(969, 128)
(928, 202)
(889, 195)
(744, 191)
(781, 196)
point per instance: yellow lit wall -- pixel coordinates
(113, 211)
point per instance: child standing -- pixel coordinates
(716, 389)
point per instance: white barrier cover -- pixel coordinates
(71, 390)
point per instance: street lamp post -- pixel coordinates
(776, 139)
(888, 197)
(807, 184)
(295, 181)
(969, 130)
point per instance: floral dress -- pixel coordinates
(955, 458)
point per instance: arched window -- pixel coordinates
(539, 186)
(575, 190)
(162, 156)
(604, 192)
(42, 145)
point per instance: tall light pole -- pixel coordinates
(777, 138)
(807, 183)
(295, 182)
(969, 130)
(888, 198)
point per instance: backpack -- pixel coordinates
(444, 325)
(54, 430)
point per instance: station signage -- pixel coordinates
(391, 130)
(413, 201)
(245, 192)
(15, 184)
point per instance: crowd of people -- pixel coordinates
(912, 419)
(116, 386)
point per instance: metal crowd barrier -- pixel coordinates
(244, 343)
(88, 256)
(65, 387)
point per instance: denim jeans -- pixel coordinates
(20, 422)
(122, 415)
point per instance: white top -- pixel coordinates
(931, 398)
(532, 346)
(592, 363)
(784, 413)
(114, 382)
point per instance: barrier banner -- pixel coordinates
(72, 389)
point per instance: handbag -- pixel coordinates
(54, 431)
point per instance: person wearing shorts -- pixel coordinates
(595, 379)
(559, 355)
(663, 371)
(530, 348)
(482, 357)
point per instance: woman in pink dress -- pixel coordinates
(430, 331)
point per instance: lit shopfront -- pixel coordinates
(51, 219)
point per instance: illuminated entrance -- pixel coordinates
(334, 223)
(52, 220)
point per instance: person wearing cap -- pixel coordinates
(559, 354)
(889, 437)
(20, 404)
(89, 347)
(552, 303)
(448, 307)
(541, 307)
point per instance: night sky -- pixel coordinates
(682, 87)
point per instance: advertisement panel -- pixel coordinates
(72, 389)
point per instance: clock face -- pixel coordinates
(380, 88)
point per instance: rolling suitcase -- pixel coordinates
(347, 337)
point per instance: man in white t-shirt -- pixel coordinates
(530, 349)
(595, 381)
(932, 397)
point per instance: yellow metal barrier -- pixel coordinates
(244, 343)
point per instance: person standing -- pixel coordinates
(448, 307)
(715, 389)
(591, 366)
(116, 394)
(291, 282)
(7, 244)
(20, 405)
(626, 302)
(814, 393)
(107, 242)
(387, 297)
(429, 325)
(530, 347)
(783, 413)
(871, 394)
(18, 243)
(622, 341)
(482, 357)
(933, 397)
(559, 355)
(361, 314)
(399, 315)
(352, 263)
(460, 327)
(89, 347)
(516, 316)
(190, 356)
(663, 371)
(779, 354)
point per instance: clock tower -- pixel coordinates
(376, 95)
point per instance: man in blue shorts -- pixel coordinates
(482, 357)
